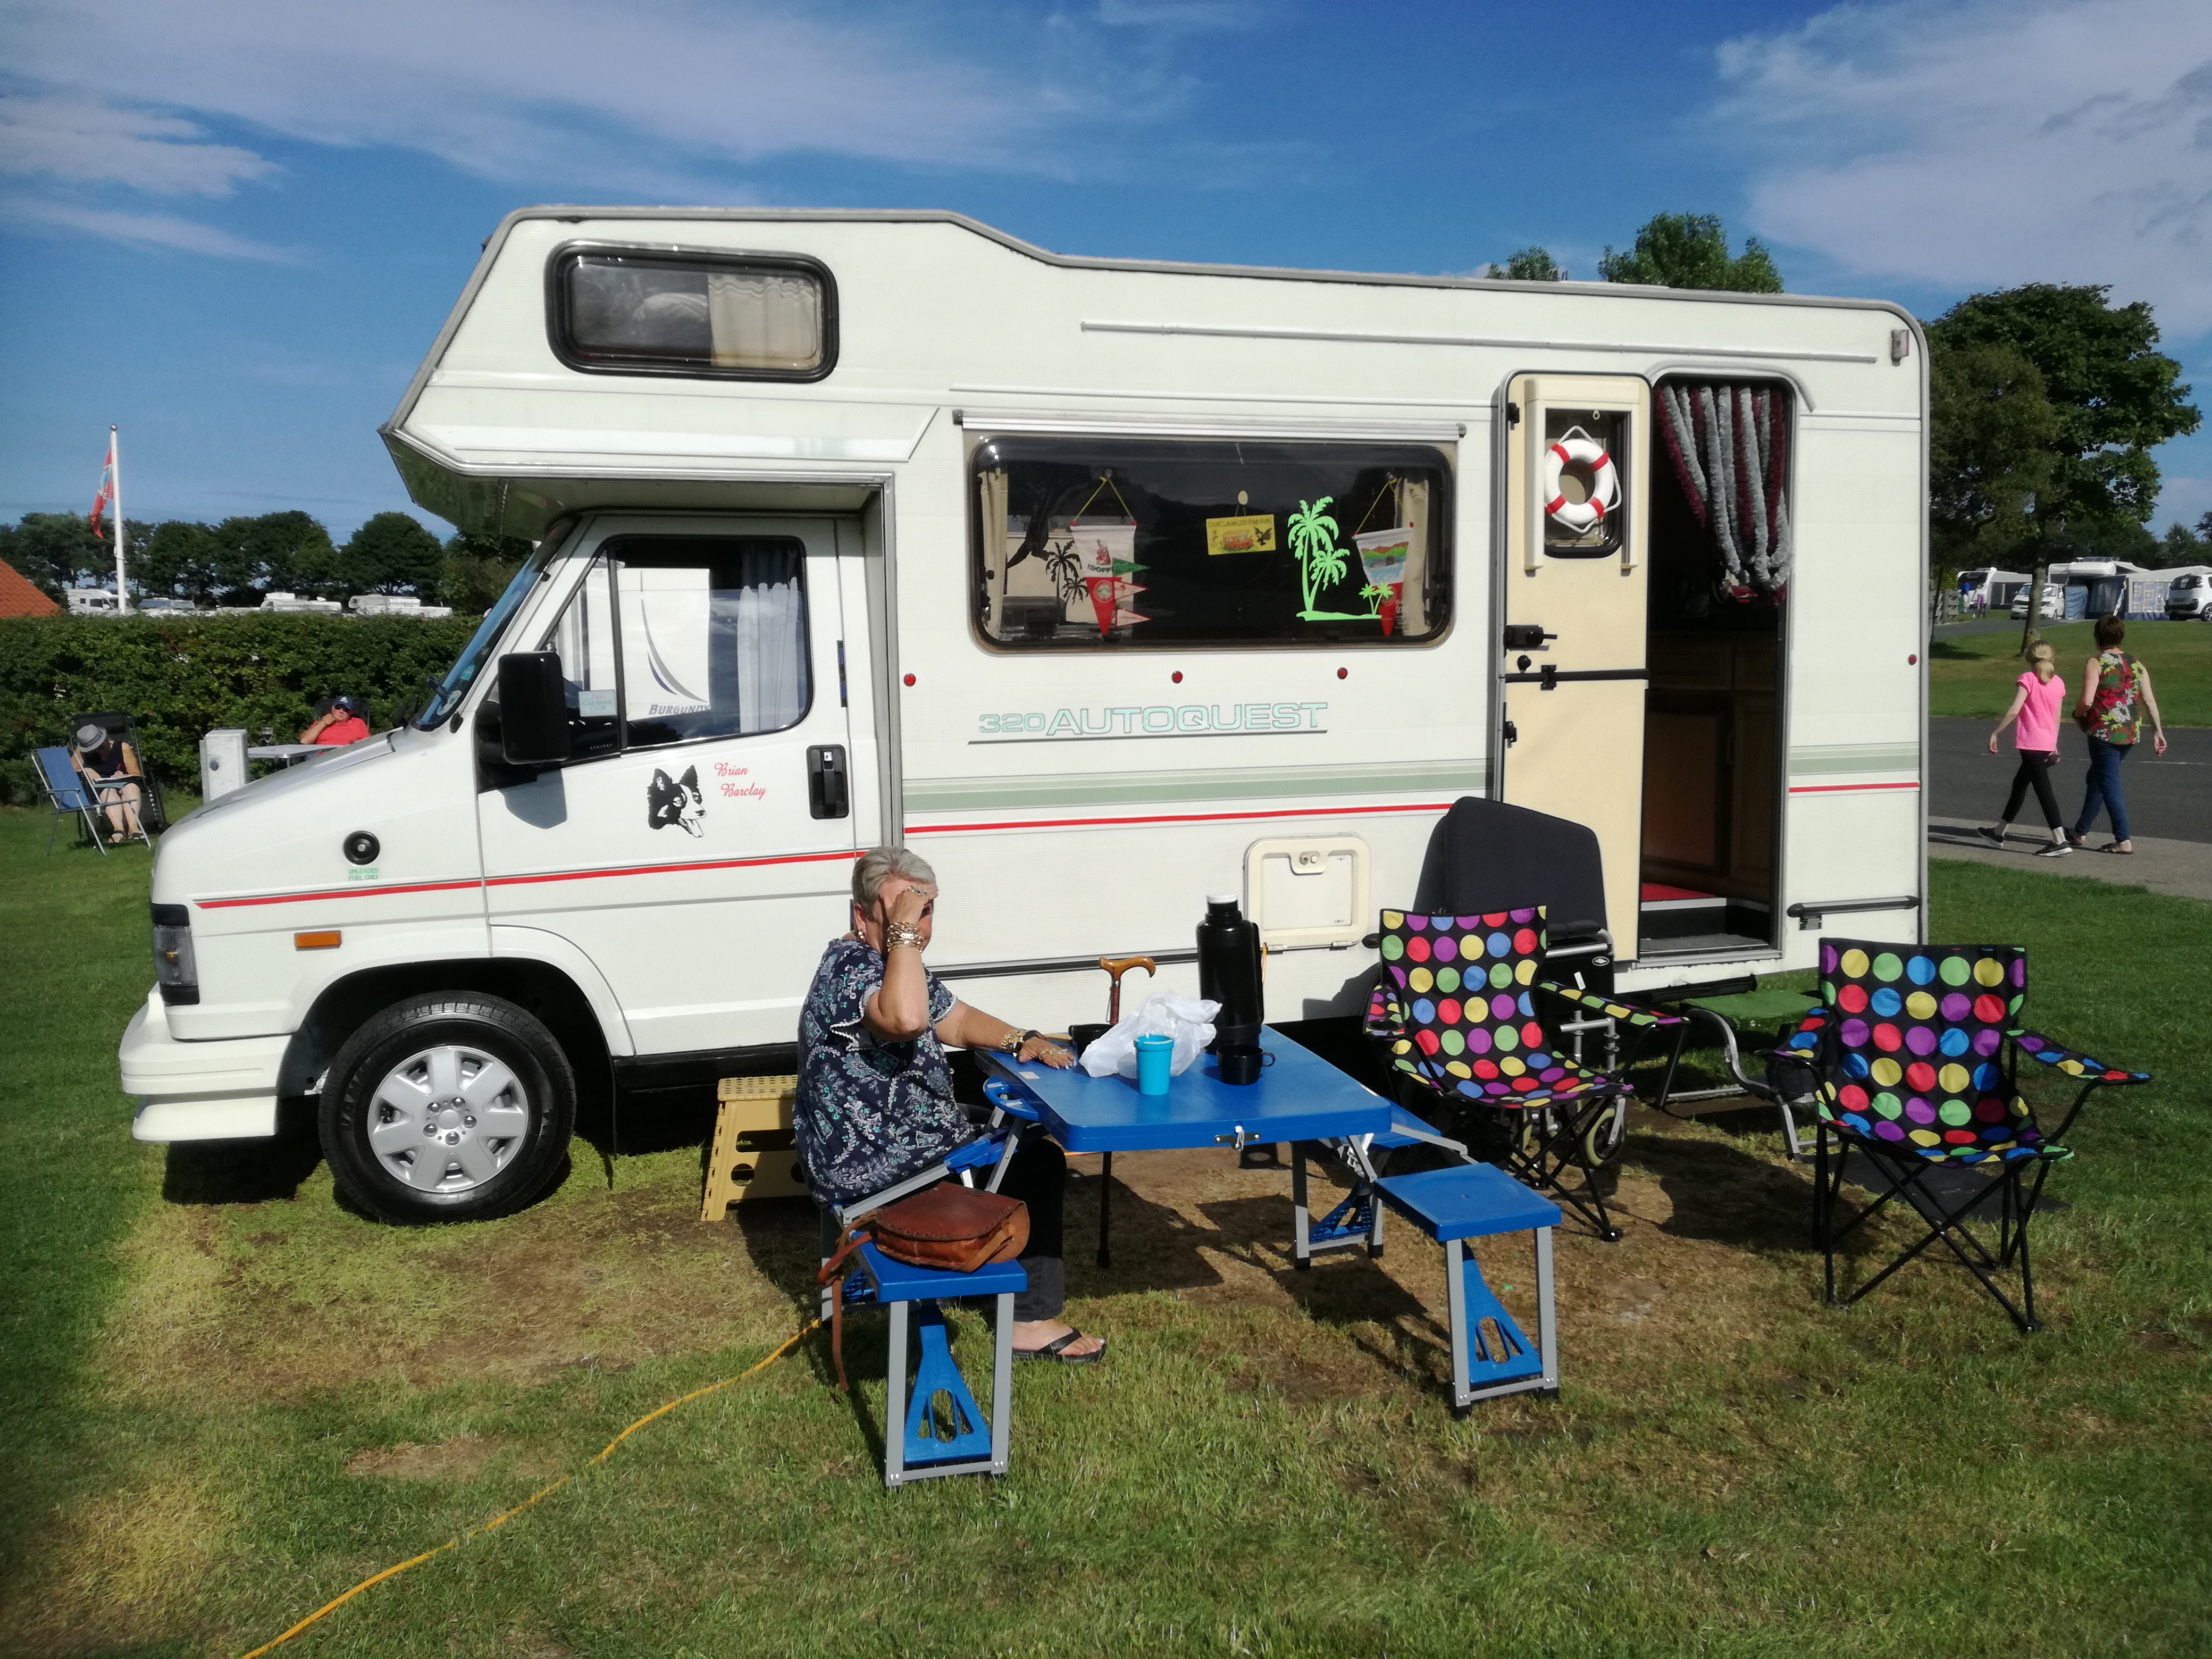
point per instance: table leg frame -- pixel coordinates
(1459, 1264)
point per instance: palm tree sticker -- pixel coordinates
(1321, 563)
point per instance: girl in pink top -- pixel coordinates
(2035, 706)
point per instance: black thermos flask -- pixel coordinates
(1229, 971)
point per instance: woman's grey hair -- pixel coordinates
(877, 868)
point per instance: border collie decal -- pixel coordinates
(676, 801)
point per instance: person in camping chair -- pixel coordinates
(875, 1095)
(111, 767)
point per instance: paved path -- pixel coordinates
(2171, 799)
(2181, 869)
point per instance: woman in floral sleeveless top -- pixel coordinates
(2115, 694)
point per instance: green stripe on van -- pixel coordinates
(1823, 760)
(1236, 783)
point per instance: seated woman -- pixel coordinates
(875, 1095)
(111, 767)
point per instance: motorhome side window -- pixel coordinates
(623, 313)
(1094, 544)
(674, 638)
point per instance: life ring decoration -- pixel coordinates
(1578, 449)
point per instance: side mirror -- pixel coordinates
(533, 709)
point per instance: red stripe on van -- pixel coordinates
(336, 893)
(515, 881)
(1839, 788)
(670, 869)
(1178, 818)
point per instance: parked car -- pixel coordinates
(2054, 604)
(2189, 598)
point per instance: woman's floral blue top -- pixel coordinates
(869, 1113)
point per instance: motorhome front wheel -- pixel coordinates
(454, 1106)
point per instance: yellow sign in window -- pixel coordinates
(1252, 534)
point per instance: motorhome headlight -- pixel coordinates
(176, 970)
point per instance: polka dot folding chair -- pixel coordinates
(1455, 1010)
(1916, 1051)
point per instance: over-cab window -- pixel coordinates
(674, 638)
(623, 312)
(1083, 544)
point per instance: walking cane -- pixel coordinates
(1114, 969)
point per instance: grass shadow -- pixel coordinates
(256, 1171)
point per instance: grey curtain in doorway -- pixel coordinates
(1730, 448)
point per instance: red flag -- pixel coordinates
(100, 502)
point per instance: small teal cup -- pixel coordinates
(1154, 1055)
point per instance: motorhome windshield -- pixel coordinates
(463, 673)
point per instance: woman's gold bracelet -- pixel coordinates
(899, 933)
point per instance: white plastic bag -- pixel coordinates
(1188, 1020)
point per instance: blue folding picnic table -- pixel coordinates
(1301, 1096)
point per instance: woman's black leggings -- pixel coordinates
(1038, 1176)
(2035, 766)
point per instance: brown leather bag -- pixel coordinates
(948, 1227)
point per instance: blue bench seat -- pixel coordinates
(941, 1430)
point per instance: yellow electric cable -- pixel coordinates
(501, 1519)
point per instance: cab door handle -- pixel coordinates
(829, 794)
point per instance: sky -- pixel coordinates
(234, 227)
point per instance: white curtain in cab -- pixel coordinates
(771, 657)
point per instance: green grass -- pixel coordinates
(1973, 676)
(228, 1399)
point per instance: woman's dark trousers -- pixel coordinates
(1038, 1176)
(2103, 789)
(2034, 772)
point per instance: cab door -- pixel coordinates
(1573, 661)
(698, 846)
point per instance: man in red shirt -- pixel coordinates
(340, 726)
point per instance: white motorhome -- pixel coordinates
(1106, 584)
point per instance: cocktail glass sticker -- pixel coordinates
(1382, 554)
(1106, 555)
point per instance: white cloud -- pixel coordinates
(79, 140)
(546, 88)
(146, 229)
(1981, 144)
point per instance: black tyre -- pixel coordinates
(455, 1106)
(1608, 1132)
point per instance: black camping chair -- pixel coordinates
(1486, 856)
(152, 813)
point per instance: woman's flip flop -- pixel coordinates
(1057, 1349)
(2124, 852)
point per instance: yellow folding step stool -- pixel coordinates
(753, 1156)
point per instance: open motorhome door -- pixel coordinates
(1573, 662)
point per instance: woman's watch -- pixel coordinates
(1014, 1042)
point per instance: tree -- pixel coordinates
(2204, 528)
(477, 569)
(276, 552)
(182, 559)
(2114, 396)
(1530, 264)
(1989, 453)
(2181, 545)
(392, 553)
(57, 552)
(1690, 250)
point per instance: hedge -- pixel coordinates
(181, 677)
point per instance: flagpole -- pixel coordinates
(115, 504)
